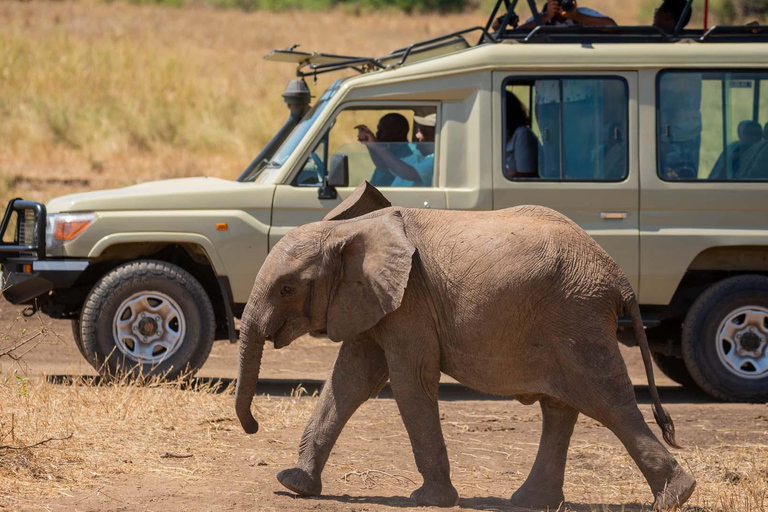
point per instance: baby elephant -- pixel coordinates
(519, 302)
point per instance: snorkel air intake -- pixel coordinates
(297, 97)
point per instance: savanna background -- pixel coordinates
(97, 95)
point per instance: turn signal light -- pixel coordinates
(65, 227)
(28, 268)
(70, 230)
(222, 226)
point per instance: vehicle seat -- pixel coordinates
(749, 133)
(754, 163)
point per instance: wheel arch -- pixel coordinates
(186, 253)
(707, 268)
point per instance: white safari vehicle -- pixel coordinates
(655, 143)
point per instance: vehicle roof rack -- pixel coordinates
(313, 64)
(585, 35)
(738, 33)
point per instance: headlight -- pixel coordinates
(65, 227)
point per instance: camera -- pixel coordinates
(568, 5)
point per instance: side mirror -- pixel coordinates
(338, 176)
(338, 171)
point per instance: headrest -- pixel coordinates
(750, 132)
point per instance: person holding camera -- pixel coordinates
(562, 13)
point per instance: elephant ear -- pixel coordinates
(365, 199)
(374, 257)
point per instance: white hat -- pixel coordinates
(429, 120)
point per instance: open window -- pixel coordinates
(712, 125)
(389, 146)
(566, 128)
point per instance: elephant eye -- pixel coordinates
(286, 290)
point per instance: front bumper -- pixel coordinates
(27, 273)
(23, 280)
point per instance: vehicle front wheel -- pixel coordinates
(725, 339)
(147, 317)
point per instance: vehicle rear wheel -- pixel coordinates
(147, 318)
(674, 368)
(725, 339)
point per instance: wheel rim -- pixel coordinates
(149, 327)
(742, 342)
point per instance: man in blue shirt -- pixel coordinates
(398, 163)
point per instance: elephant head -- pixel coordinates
(338, 276)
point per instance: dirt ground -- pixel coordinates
(168, 449)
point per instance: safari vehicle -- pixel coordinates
(655, 143)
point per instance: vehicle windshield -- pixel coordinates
(264, 173)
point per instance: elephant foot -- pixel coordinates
(434, 495)
(538, 497)
(676, 492)
(300, 482)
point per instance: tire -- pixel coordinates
(77, 337)
(674, 368)
(725, 339)
(148, 318)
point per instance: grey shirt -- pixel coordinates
(522, 153)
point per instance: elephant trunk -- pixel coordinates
(251, 349)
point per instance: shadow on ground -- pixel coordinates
(448, 391)
(474, 503)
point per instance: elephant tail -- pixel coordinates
(663, 419)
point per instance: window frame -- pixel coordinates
(370, 105)
(559, 77)
(657, 91)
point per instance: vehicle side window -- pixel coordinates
(712, 125)
(566, 129)
(392, 147)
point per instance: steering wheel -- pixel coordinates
(321, 172)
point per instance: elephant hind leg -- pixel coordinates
(360, 371)
(611, 401)
(544, 486)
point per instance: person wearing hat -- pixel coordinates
(425, 128)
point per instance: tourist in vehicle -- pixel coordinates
(521, 158)
(668, 14)
(553, 14)
(424, 138)
(398, 163)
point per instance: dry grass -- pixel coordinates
(94, 435)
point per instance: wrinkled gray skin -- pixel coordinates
(518, 302)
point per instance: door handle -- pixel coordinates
(613, 215)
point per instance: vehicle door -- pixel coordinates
(569, 141)
(298, 200)
(705, 190)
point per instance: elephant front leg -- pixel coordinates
(415, 391)
(360, 371)
(544, 486)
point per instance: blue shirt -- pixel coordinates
(412, 155)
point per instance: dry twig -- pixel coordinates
(168, 455)
(9, 447)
